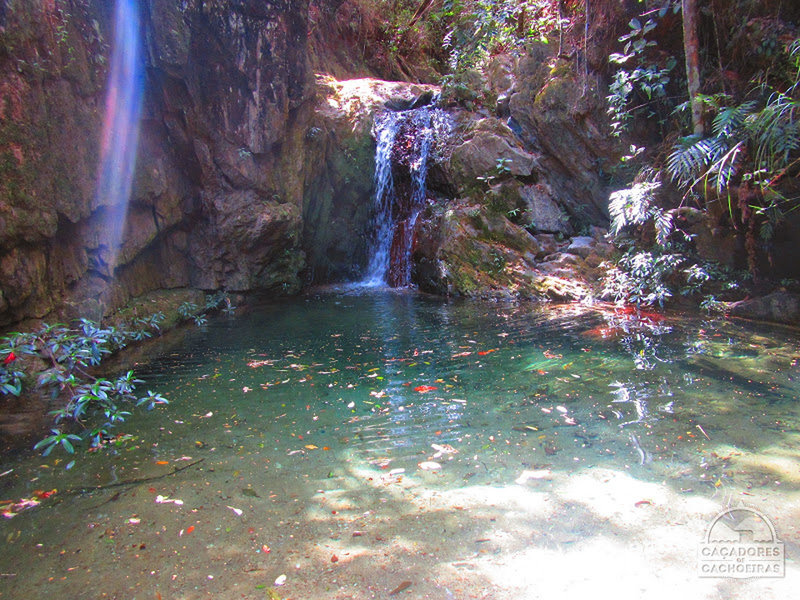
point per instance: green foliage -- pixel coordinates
(639, 87)
(642, 277)
(218, 301)
(652, 272)
(635, 206)
(752, 143)
(481, 28)
(502, 169)
(59, 358)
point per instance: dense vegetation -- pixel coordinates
(731, 151)
(61, 362)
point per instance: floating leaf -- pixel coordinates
(425, 388)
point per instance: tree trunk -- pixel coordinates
(691, 52)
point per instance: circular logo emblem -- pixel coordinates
(741, 542)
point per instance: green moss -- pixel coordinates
(552, 95)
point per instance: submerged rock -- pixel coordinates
(779, 307)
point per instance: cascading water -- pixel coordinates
(385, 131)
(403, 144)
(120, 128)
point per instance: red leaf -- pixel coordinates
(425, 388)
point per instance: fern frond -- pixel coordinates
(631, 206)
(775, 131)
(729, 122)
(725, 168)
(664, 226)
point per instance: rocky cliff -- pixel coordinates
(252, 173)
(218, 188)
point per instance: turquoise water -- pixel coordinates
(358, 442)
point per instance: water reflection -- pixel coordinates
(560, 435)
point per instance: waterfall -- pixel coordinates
(403, 144)
(385, 131)
(120, 128)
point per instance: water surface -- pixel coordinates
(356, 442)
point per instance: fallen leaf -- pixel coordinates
(403, 586)
(311, 446)
(162, 462)
(425, 388)
(238, 511)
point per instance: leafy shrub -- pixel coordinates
(217, 301)
(652, 274)
(60, 358)
(639, 86)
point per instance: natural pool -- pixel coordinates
(384, 444)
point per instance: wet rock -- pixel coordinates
(778, 307)
(581, 246)
(489, 141)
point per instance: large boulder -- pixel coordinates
(466, 249)
(490, 150)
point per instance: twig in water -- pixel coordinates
(98, 488)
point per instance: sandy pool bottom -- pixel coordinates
(366, 532)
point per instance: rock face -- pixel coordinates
(517, 185)
(778, 307)
(218, 190)
(251, 174)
